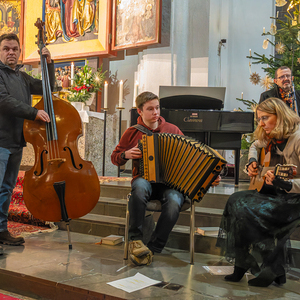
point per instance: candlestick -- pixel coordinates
(104, 141)
(105, 94)
(121, 94)
(72, 73)
(120, 133)
(135, 93)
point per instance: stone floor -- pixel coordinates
(45, 268)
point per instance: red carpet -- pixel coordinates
(16, 228)
(6, 297)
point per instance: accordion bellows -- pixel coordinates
(180, 162)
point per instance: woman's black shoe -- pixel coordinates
(266, 277)
(237, 274)
(280, 279)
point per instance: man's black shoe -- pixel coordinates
(7, 239)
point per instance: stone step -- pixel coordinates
(101, 226)
(115, 191)
(211, 199)
(204, 216)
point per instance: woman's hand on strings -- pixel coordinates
(269, 177)
(253, 169)
(133, 153)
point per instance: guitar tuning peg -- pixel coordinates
(35, 43)
(36, 35)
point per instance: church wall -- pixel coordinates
(241, 24)
(180, 59)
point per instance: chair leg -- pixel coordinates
(192, 233)
(126, 242)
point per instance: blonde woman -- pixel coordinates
(258, 223)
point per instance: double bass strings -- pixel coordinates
(51, 131)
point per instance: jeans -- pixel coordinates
(143, 191)
(10, 161)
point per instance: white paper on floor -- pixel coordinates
(134, 283)
(219, 270)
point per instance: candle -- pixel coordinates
(264, 30)
(121, 94)
(72, 73)
(277, 14)
(242, 97)
(135, 93)
(105, 94)
(250, 52)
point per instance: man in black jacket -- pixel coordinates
(16, 88)
(284, 89)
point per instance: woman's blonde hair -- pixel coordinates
(287, 120)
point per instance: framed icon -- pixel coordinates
(74, 29)
(136, 23)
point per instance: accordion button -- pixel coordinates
(151, 157)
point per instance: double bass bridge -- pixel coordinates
(56, 162)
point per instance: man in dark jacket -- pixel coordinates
(16, 88)
(284, 89)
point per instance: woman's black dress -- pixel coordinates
(259, 224)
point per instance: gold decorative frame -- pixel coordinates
(11, 17)
(68, 50)
(136, 23)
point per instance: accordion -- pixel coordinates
(180, 162)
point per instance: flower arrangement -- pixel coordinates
(85, 83)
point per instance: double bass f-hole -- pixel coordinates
(72, 158)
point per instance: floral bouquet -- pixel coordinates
(85, 83)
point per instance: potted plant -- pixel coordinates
(86, 84)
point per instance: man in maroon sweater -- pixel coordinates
(142, 191)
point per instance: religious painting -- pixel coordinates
(74, 28)
(65, 71)
(136, 23)
(10, 17)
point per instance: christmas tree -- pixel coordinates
(286, 31)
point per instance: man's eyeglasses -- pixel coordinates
(284, 76)
(264, 119)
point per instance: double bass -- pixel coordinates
(61, 185)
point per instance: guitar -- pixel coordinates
(285, 172)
